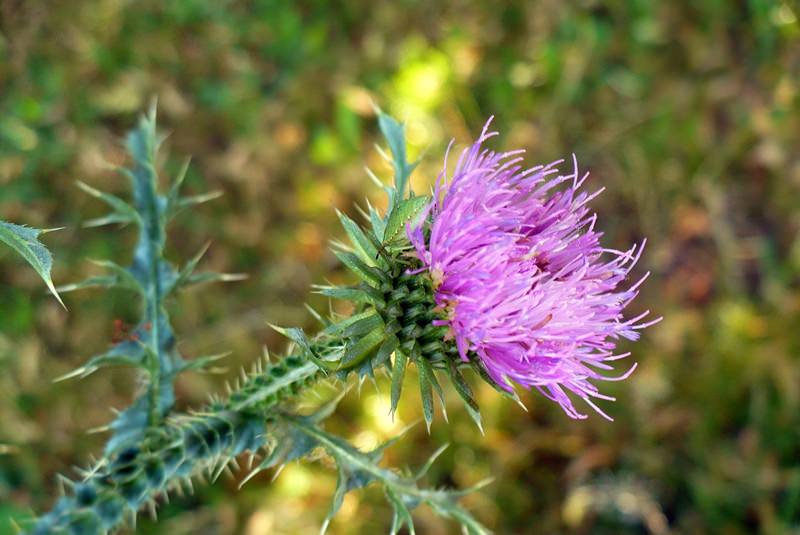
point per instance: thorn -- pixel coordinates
(249, 476)
(482, 483)
(278, 472)
(228, 471)
(383, 155)
(63, 481)
(84, 474)
(375, 384)
(94, 462)
(78, 372)
(233, 277)
(100, 429)
(361, 380)
(151, 507)
(234, 463)
(218, 472)
(316, 315)
(408, 427)
(152, 113)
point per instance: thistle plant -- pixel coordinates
(499, 274)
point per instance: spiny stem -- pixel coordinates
(180, 448)
(152, 240)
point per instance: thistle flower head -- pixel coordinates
(522, 280)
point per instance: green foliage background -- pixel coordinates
(687, 112)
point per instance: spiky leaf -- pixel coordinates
(398, 375)
(356, 352)
(365, 272)
(361, 244)
(465, 392)
(357, 469)
(122, 212)
(25, 241)
(405, 211)
(297, 336)
(125, 353)
(355, 295)
(427, 383)
(394, 133)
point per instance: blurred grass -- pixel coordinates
(687, 112)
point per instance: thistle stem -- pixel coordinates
(181, 448)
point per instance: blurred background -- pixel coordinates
(688, 114)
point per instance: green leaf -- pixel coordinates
(385, 352)
(173, 196)
(205, 277)
(299, 337)
(288, 443)
(202, 363)
(426, 394)
(427, 379)
(338, 328)
(363, 271)
(355, 295)
(394, 133)
(122, 211)
(398, 375)
(187, 276)
(193, 200)
(362, 245)
(402, 516)
(476, 365)
(24, 240)
(188, 269)
(118, 277)
(355, 353)
(363, 326)
(465, 392)
(432, 459)
(357, 469)
(405, 211)
(127, 353)
(377, 222)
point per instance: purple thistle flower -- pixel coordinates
(521, 277)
